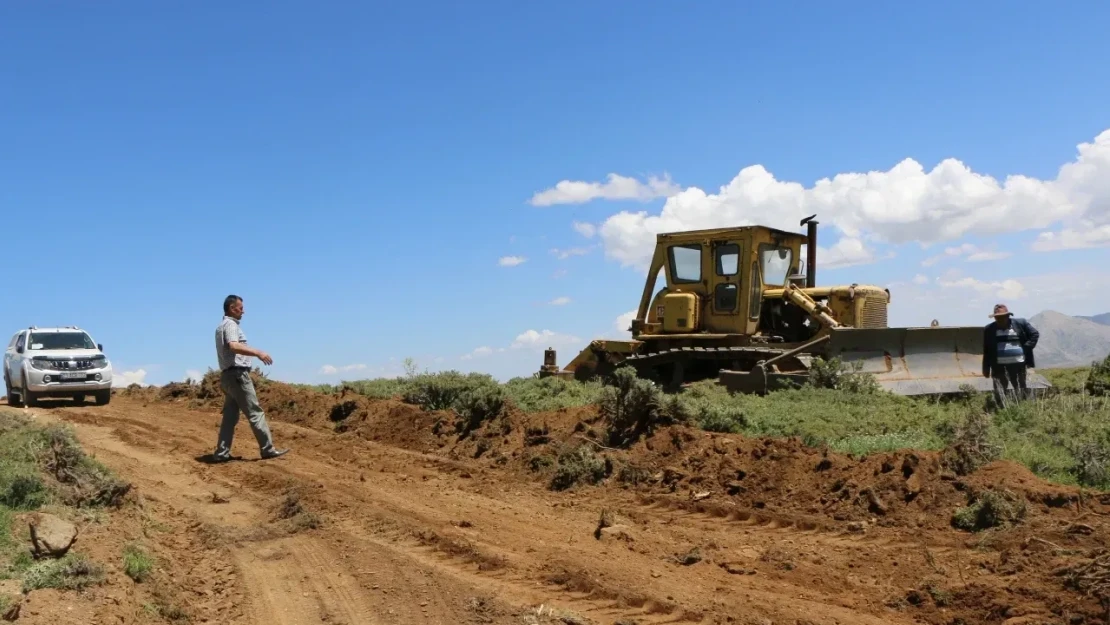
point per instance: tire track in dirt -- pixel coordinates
(276, 574)
(396, 505)
(555, 566)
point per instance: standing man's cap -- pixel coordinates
(1000, 310)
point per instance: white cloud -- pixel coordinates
(971, 252)
(920, 279)
(122, 379)
(559, 273)
(541, 339)
(587, 230)
(1072, 239)
(965, 301)
(332, 369)
(567, 253)
(616, 188)
(1005, 289)
(846, 252)
(511, 261)
(194, 374)
(624, 321)
(478, 352)
(904, 204)
(560, 301)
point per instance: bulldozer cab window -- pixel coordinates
(726, 297)
(685, 263)
(775, 262)
(727, 259)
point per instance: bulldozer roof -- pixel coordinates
(715, 232)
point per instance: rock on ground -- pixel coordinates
(51, 536)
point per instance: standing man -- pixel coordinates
(1008, 344)
(234, 356)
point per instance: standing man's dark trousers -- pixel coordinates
(1009, 383)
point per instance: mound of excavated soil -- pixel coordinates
(1023, 572)
(781, 476)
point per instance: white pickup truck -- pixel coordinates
(55, 362)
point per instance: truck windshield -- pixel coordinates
(775, 264)
(61, 340)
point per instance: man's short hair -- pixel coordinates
(229, 300)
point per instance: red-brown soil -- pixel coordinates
(406, 522)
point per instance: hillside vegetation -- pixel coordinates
(1062, 436)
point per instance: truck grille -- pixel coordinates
(74, 365)
(873, 314)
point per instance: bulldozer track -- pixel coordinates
(676, 354)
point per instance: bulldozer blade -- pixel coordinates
(919, 361)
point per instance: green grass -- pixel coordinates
(1069, 380)
(137, 564)
(43, 466)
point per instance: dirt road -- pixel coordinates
(348, 530)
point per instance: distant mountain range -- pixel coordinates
(1103, 319)
(1068, 341)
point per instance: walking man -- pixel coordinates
(234, 356)
(1008, 344)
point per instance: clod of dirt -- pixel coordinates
(909, 465)
(51, 536)
(691, 557)
(342, 410)
(616, 532)
(874, 504)
(291, 511)
(735, 569)
(12, 613)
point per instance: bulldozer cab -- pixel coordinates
(715, 279)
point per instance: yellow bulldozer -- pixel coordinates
(737, 306)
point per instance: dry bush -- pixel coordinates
(971, 444)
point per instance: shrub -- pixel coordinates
(580, 464)
(629, 405)
(1092, 462)
(535, 394)
(1098, 378)
(22, 491)
(478, 404)
(835, 374)
(970, 444)
(71, 572)
(990, 509)
(379, 388)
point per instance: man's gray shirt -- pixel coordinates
(229, 330)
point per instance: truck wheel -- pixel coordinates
(103, 397)
(29, 400)
(15, 401)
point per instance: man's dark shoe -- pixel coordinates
(219, 459)
(274, 454)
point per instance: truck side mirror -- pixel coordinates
(19, 349)
(100, 346)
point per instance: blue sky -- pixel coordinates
(356, 171)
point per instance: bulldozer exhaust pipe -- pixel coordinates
(811, 250)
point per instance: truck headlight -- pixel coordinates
(42, 365)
